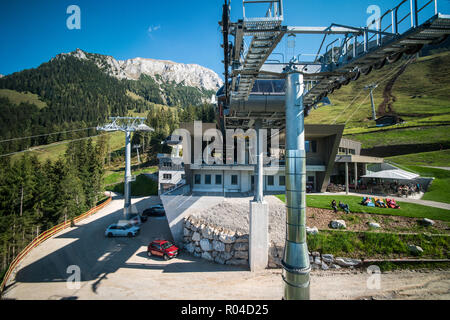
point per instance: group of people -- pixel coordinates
(406, 189)
(343, 206)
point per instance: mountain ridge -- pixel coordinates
(192, 75)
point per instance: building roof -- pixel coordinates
(393, 174)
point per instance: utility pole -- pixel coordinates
(127, 125)
(372, 87)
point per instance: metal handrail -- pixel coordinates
(370, 34)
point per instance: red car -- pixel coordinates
(162, 248)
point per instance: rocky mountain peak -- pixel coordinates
(191, 74)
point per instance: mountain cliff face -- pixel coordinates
(191, 75)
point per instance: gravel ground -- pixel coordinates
(233, 214)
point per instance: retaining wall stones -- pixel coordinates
(224, 246)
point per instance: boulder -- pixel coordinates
(347, 262)
(187, 223)
(205, 245)
(198, 249)
(415, 250)
(328, 258)
(208, 232)
(243, 238)
(214, 254)
(227, 238)
(225, 255)
(218, 245)
(241, 254)
(219, 260)
(315, 254)
(241, 246)
(228, 247)
(334, 266)
(207, 256)
(186, 232)
(194, 227)
(197, 254)
(317, 261)
(196, 236)
(374, 225)
(427, 222)
(338, 224)
(312, 230)
(324, 266)
(190, 247)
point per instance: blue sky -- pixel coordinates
(32, 32)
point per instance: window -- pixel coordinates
(282, 180)
(253, 180)
(218, 179)
(167, 176)
(207, 179)
(270, 180)
(351, 151)
(198, 179)
(310, 178)
(311, 146)
(234, 179)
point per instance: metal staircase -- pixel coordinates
(266, 32)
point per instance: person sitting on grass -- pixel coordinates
(344, 207)
(333, 205)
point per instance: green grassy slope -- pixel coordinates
(22, 97)
(422, 100)
(434, 158)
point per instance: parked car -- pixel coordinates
(122, 229)
(155, 211)
(136, 219)
(162, 248)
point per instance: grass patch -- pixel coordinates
(118, 176)
(406, 209)
(17, 98)
(141, 187)
(377, 244)
(433, 158)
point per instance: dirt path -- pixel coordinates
(387, 106)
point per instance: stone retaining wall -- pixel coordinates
(215, 243)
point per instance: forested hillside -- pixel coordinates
(76, 93)
(35, 196)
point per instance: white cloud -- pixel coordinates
(153, 28)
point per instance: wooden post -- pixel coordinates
(356, 176)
